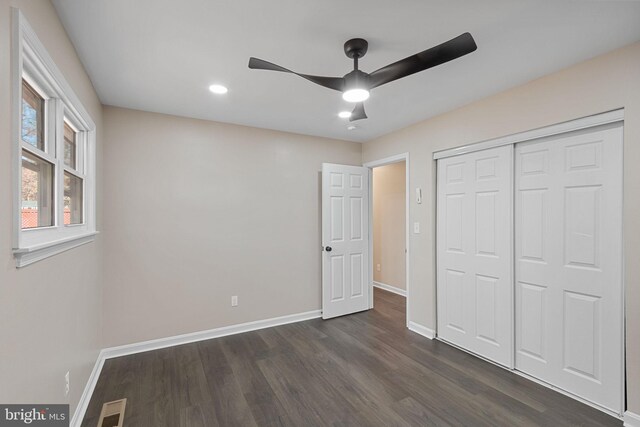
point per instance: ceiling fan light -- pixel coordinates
(218, 89)
(356, 95)
(344, 114)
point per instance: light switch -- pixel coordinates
(418, 195)
(416, 227)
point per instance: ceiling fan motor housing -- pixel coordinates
(356, 79)
(356, 48)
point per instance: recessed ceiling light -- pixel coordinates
(344, 114)
(352, 127)
(219, 89)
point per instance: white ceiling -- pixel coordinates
(161, 55)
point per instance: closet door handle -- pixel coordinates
(327, 248)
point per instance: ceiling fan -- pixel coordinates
(355, 86)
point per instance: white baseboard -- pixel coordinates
(140, 347)
(83, 404)
(631, 419)
(422, 330)
(390, 288)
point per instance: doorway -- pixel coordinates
(389, 232)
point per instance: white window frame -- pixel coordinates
(30, 60)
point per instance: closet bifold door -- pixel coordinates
(568, 257)
(474, 252)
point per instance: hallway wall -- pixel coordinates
(389, 232)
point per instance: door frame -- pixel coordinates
(398, 158)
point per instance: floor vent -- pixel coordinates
(112, 414)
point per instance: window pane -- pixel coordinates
(72, 199)
(69, 146)
(32, 117)
(37, 191)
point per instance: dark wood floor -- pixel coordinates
(365, 369)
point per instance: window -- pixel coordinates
(32, 116)
(69, 146)
(55, 155)
(72, 199)
(37, 162)
(37, 191)
(73, 177)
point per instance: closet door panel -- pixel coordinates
(474, 235)
(568, 256)
(535, 203)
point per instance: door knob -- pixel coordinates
(327, 248)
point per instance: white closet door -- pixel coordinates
(474, 249)
(569, 263)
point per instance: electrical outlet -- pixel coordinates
(234, 301)
(416, 227)
(66, 384)
(378, 267)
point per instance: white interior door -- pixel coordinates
(345, 239)
(474, 250)
(569, 321)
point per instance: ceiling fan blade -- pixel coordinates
(261, 64)
(445, 52)
(358, 112)
(335, 83)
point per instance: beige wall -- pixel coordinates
(604, 83)
(198, 211)
(50, 311)
(389, 232)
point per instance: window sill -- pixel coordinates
(29, 255)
